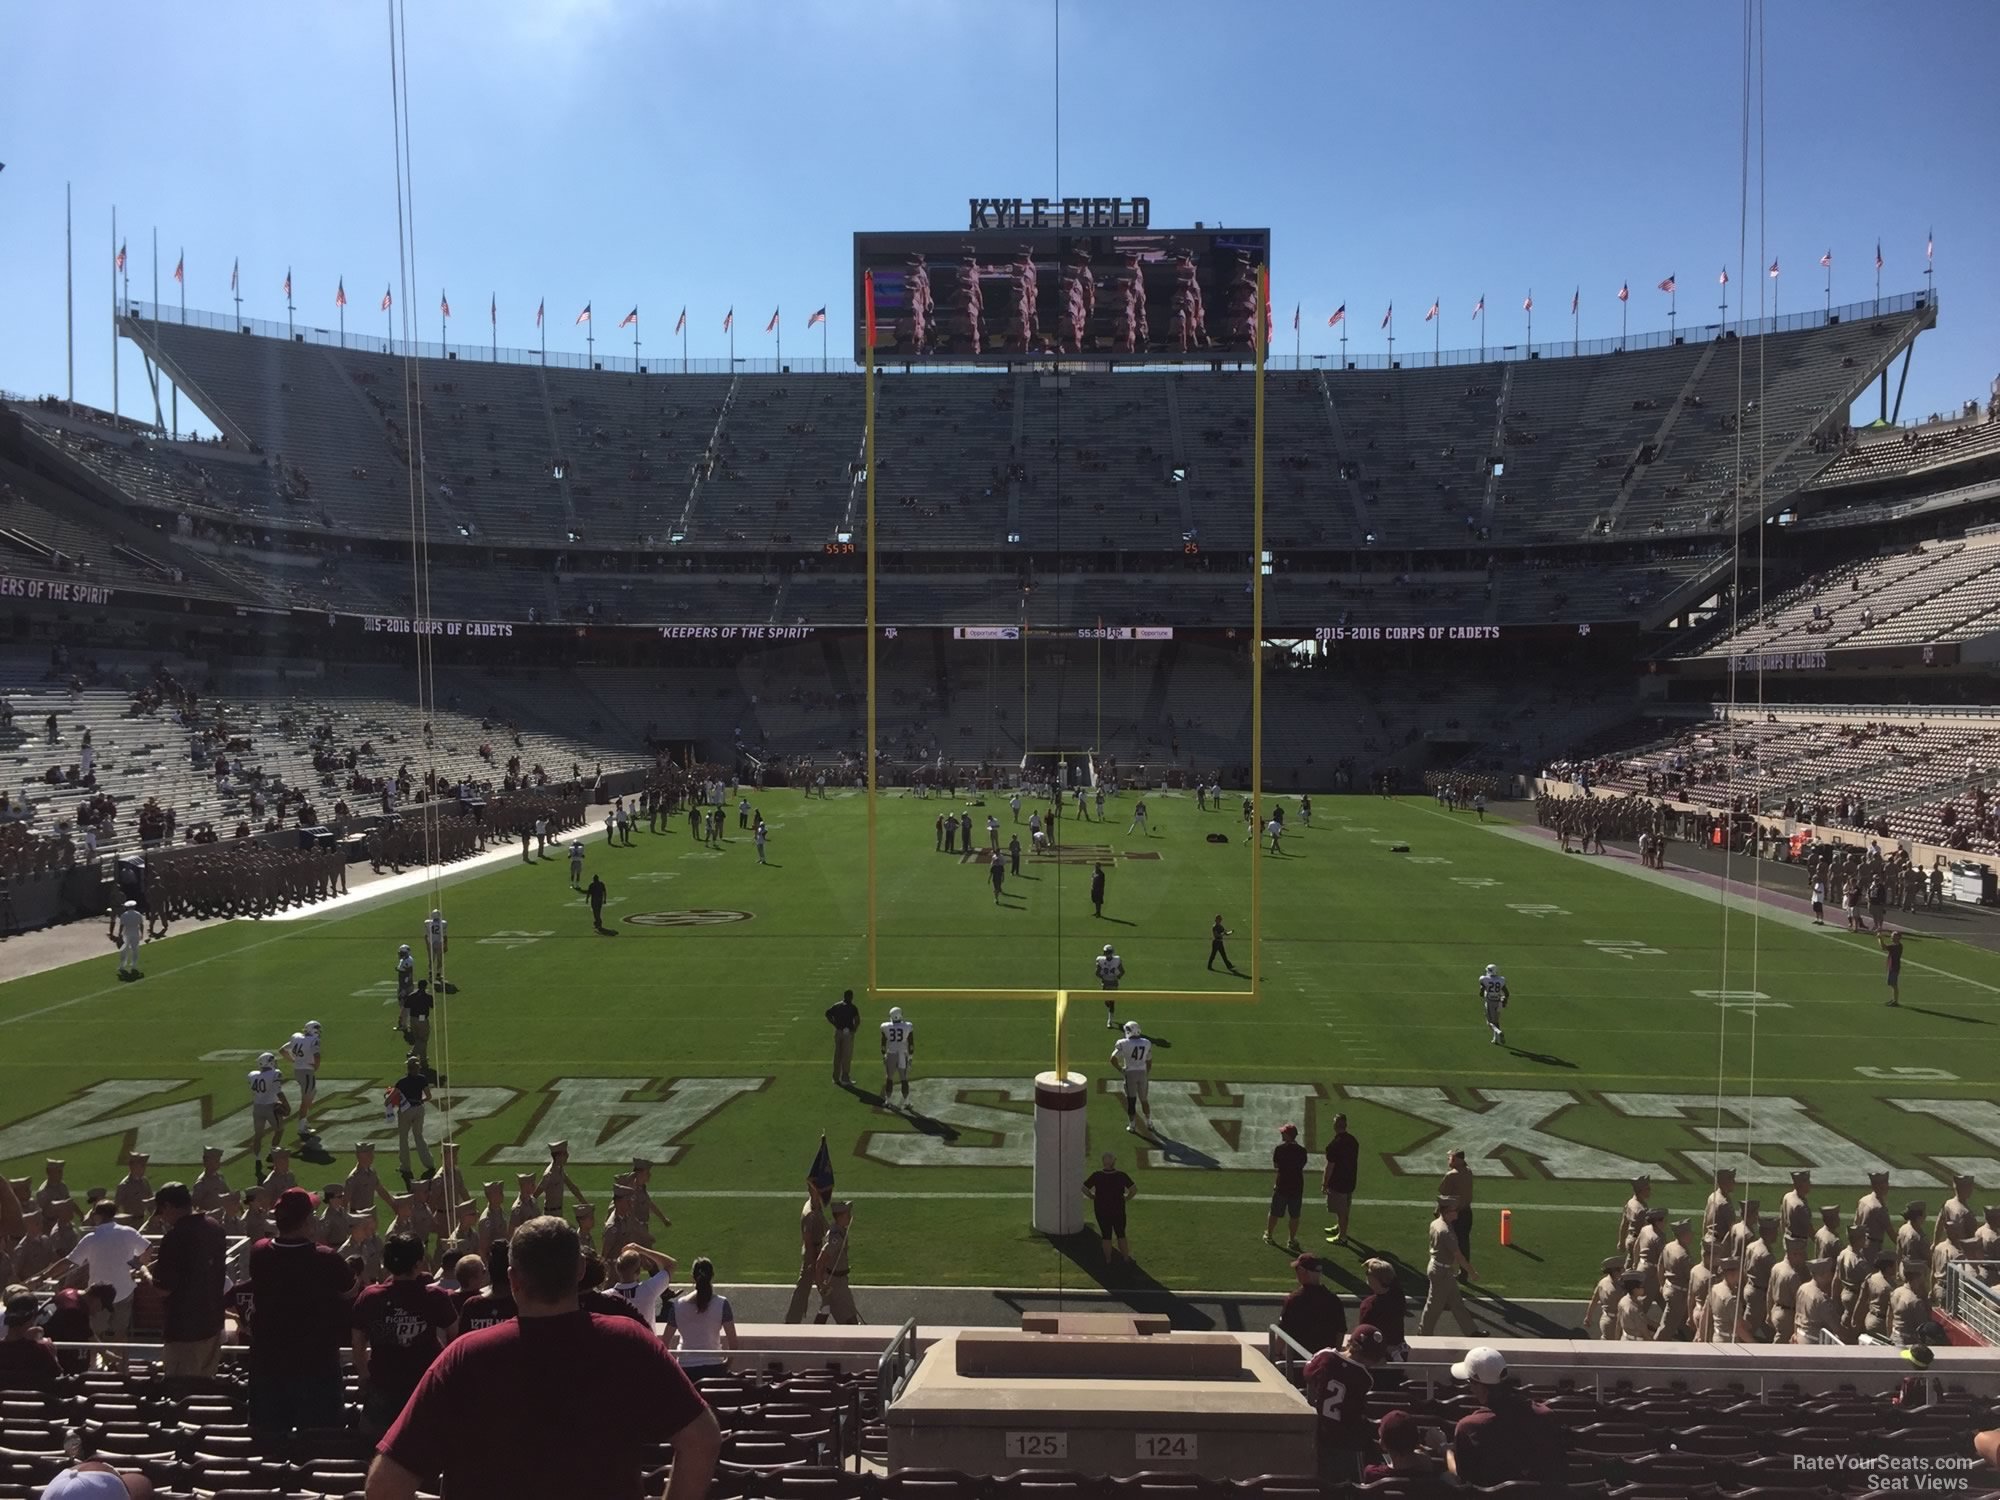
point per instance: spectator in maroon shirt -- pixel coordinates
(1337, 1384)
(399, 1325)
(1288, 1190)
(1407, 1449)
(1312, 1314)
(1385, 1307)
(495, 1304)
(1343, 1167)
(27, 1361)
(190, 1269)
(1510, 1436)
(606, 1386)
(298, 1322)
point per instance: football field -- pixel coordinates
(1651, 1029)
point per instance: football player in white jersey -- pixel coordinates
(1110, 969)
(436, 941)
(899, 1044)
(267, 1090)
(302, 1052)
(575, 863)
(1493, 991)
(1133, 1055)
(406, 973)
(128, 925)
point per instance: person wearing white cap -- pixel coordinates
(436, 943)
(95, 1479)
(899, 1044)
(1510, 1436)
(128, 925)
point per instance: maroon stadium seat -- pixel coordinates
(931, 1484)
(808, 1484)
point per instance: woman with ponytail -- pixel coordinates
(704, 1324)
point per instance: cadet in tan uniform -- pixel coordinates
(1910, 1305)
(54, 1190)
(1676, 1264)
(1817, 1310)
(493, 1226)
(1758, 1260)
(1956, 1225)
(1718, 1214)
(526, 1205)
(282, 1178)
(1630, 1321)
(134, 1194)
(586, 1224)
(1457, 1186)
(555, 1178)
(1447, 1259)
(1829, 1239)
(1701, 1281)
(1647, 1248)
(1911, 1241)
(1743, 1231)
(335, 1220)
(618, 1224)
(1850, 1271)
(1633, 1216)
(1872, 1214)
(834, 1294)
(1787, 1277)
(644, 1209)
(812, 1239)
(211, 1185)
(362, 1183)
(365, 1245)
(1872, 1306)
(1721, 1320)
(1795, 1208)
(1986, 1243)
(1601, 1314)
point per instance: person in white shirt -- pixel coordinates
(575, 863)
(704, 1322)
(1493, 993)
(267, 1089)
(1138, 817)
(644, 1277)
(109, 1252)
(437, 942)
(899, 1044)
(1275, 831)
(127, 927)
(1133, 1056)
(302, 1052)
(406, 973)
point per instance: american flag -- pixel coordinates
(772, 326)
(1432, 313)
(387, 300)
(235, 268)
(493, 310)
(1827, 260)
(1295, 317)
(288, 283)
(1667, 285)
(118, 260)
(1388, 315)
(682, 321)
(180, 269)
(1930, 244)
(1774, 266)
(1479, 306)
(729, 320)
(1723, 279)
(584, 316)
(1575, 301)
(444, 303)
(629, 319)
(1878, 255)
(1528, 303)
(539, 307)
(1624, 291)
(339, 292)
(820, 317)
(1339, 315)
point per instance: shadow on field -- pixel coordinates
(1947, 1015)
(1546, 1059)
(1183, 1155)
(1128, 1284)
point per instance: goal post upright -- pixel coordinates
(868, 464)
(1261, 323)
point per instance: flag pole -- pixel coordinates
(823, 361)
(778, 328)
(1930, 244)
(542, 328)
(1530, 309)
(590, 336)
(180, 265)
(69, 293)
(1437, 335)
(288, 304)
(388, 322)
(1576, 321)
(343, 315)
(635, 346)
(444, 323)
(1624, 320)
(1673, 302)
(1725, 309)
(236, 291)
(1829, 286)
(493, 317)
(684, 341)
(114, 314)
(1482, 328)
(1392, 335)
(156, 318)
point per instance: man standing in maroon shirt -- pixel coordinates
(495, 1304)
(298, 1319)
(27, 1361)
(606, 1385)
(191, 1270)
(1288, 1190)
(1343, 1165)
(1337, 1385)
(1312, 1314)
(1510, 1436)
(399, 1326)
(1385, 1307)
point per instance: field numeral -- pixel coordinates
(1428, 859)
(1908, 1075)
(513, 939)
(1477, 882)
(1537, 909)
(1624, 948)
(236, 1054)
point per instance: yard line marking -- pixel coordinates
(865, 1195)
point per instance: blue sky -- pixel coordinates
(721, 152)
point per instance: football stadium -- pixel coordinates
(1046, 895)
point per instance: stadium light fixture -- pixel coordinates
(843, 536)
(676, 537)
(1014, 537)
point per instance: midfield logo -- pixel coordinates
(988, 1122)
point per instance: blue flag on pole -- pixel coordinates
(820, 1174)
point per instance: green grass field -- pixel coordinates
(703, 1046)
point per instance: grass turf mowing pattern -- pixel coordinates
(1369, 965)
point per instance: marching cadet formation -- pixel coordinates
(1779, 1278)
(239, 880)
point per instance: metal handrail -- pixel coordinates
(892, 1370)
